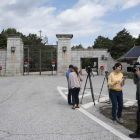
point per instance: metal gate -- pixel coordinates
(40, 57)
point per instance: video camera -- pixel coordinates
(133, 67)
(88, 69)
(106, 72)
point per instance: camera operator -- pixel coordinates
(136, 79)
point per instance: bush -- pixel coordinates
(130, 75)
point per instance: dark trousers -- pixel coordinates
(75, 95)
(138, 118)
(116, 98)
(69, 96)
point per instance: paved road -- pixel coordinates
(33, 109)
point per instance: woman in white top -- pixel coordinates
(75, 85)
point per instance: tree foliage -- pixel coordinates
(78, 47)
(103, 43)
(48, 53)
(12, 31)
(122, 42)
(89, 47)
(31, 39)
(3, 40)
(89, 62)
(137, 41)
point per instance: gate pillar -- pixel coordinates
(14, 61)
(63, 53)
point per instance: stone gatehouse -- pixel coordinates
(12, 60)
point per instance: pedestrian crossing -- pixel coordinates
(130, 103)
(127, 102)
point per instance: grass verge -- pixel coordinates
(128, 115)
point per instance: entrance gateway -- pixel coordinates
(12, 59)
(40, 58)
(67, 56)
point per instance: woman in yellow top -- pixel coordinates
(115, 83)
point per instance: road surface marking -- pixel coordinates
(103, 124)
(90, 104)
(87, 94)
(129, 103)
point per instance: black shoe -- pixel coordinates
(134, 135)
(70, 103)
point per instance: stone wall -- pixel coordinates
(12, 62)
(111, 62)
(77, 54)
(3, 53)
(108, 63)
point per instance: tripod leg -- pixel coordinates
(101, 89)
(84, 90)
(108, 89)
(91, 89)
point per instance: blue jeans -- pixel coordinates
(116, 98)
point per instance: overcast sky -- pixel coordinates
(85, 19)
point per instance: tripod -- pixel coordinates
(106, 77)
(89, 76)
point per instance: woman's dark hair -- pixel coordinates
(117, 65)
(76, 70)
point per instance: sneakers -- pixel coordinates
(115, 122)
(120, 120)
(134, 135)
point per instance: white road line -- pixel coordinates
(90, 104)
(103, 99)
(129, 103)
(88, 94)
(66, 92)
(62, 88)
(60, 91)
(103, 124)
(108, 97)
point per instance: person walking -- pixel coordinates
(115, 83)
(75, 80)
(69, 90)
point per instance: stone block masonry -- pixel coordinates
(14, 61)
(3, 61)
(63, 57)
